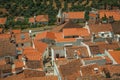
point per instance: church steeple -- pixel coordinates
(59, 17)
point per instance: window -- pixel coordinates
(16, 45)
(102, 35)
(57, 55)
(22, 44)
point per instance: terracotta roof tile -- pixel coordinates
(31, 20)
(49, 35)
(112, 69)
(116, 27)
(7, 48)
(108, 13)
(95, 28)
(80, 51)
(115, 55)
(16, 31)
(22, 37)
(42, 18)
(1, 30)
(21, 76)
(102, 46)
(40, 46)
(43, 78)
(3, 20)
(2, 62)
(33, 73)
(107, 46)
(75, 31)
(75, 15)
(31, 53)
(88, 70)
(18, 64)
(70, 69)
(5, 36)
(39, 18)
(35, 64)
(15, 77)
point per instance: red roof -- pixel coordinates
(31, 20)
(25, 36)
(49, 35)
(16, 31)
(4, 35)
(1, 29)
(42, 18)
(75, 31)
(39, 18)
(40, 46)
(108, 13)
(31, 53)
(3, 20)
(95, 28)
(75, 15)
(115, 55)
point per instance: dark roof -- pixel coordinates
(72, 68)
(95, 28)
(94, 49)
(81, 51)
(116, 27)
(34, 64)
(69, 24)
(33, 73)
(7, 48)
(114, 70)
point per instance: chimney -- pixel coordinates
(13, 69)
(24, 59)
(93, 37)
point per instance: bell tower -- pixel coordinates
(59, 17)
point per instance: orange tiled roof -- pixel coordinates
(2, 62)
(31, 53)
(3, 20)
(75, 31)
(19, 36)
(18, 64)
(49, 35)
(42, 18)
(95, 28)
(4, 35)
(92, 15)
(31, 20)
(43, 78)
(108, 13)
(16, 31)
(75, 15)
(40, 46)
(1, 29)
(39, 18)
(59, 35)
(88, 70)
(115, 55)
(103, 46)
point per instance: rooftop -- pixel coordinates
(3, 20)
(75, 15)
(115, 55)
(108, 13)
(95, 28)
